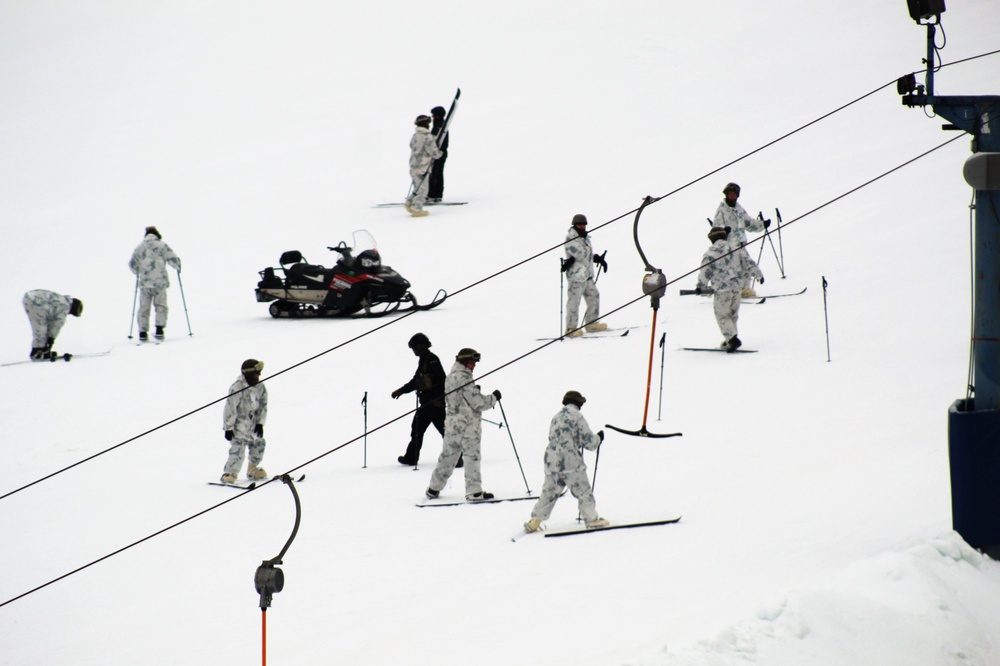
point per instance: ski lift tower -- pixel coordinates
(973, 422)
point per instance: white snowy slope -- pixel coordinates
(815, 494)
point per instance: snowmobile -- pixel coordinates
(357, 285)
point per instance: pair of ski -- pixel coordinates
(607, 333)
(757, 300)
(251, 484)
(567, 531)
(53, 357)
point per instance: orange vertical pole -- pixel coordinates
(649, 370)
(263, 637)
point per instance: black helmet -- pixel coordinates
(419, 339)
(574, 398)
(76, 307)
(252, 365)
(731, 187)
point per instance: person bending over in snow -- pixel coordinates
(569, 435)
(243, 423)
(47, 312)
(579, 269)
(149, 263)
(723, 268)
(732, 215)
(463, 428)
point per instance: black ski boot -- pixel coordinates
(734, 344)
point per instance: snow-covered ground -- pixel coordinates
(814, 493)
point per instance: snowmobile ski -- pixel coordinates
(446, 502)
(620, 526)
(720, 349)
(400, 204)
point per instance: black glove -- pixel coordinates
(259, 430)
(600, 261)
(600, 435)
(767, 223)
(762, 279)
(496, 394)
(229, 435)
(397, 393)
(566, 263)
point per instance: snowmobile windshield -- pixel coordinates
(362, 241)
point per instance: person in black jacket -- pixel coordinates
(428, 382)
(435, 191)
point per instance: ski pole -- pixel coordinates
(135, 295)
(826, 318)
(560, 296)
(499, 425)
(184, 301)
(659, 412)
(515, 448)
(597, 459)
(777, 213)
(364, 408)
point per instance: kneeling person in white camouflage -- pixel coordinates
(243, 423)
(47, 312)
(569, 435)
(723, 269)
(463, 428)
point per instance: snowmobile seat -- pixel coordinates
(310, 274)
(291, 257)
(269, 280)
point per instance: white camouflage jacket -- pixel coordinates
(246, 409)
(569, 435)
(582, 251)
(423, 150)
(149, 262)
(722, 272)
(464, 407)
(738, 221)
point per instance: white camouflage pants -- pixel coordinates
(238, 449)
(44, 325)
(726, 304)
(149, 298)
(421, 185)
(467, 447)
(588, 290)
(552, 489)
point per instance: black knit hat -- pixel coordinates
(422, 121)
(76, 307)
(438, 112)
(154, 231)
(419, 339)
(467, 354)
(573, 397)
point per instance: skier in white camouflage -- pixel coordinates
(47, 312)
(569, 435)
(149, 264)
(723, 268)
(579, 268)
(732, 215)
(243, 423)
(423, 152)
(463, 428)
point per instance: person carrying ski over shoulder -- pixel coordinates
(436, 190)
(149, 264)
(569, 435)
(579, 268)
(723, 268)
(47, 312)
(463, 428)
(423, 152)
(732, 215)
(243, 423)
